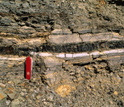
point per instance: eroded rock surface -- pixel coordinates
(27, 18)
(77, 48)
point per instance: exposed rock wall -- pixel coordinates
(38, 17)
(77, 47)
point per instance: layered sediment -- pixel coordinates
(62, 43)
(77, 48)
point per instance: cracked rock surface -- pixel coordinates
(77, 47)
(39, 17)
(65, 84)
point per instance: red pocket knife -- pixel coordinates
(28, 67)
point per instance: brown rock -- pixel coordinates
(64, 90)
(2, 97)
(2, 85)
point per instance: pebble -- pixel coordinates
(15, 103)
(22, 93)
(24, 90)
(31, 90)
(115, 93)
(2, 95)
(2, 85)
(35, 91)
(8, 102)
(17, 81)
(10, 82)
(38, 97)
(12, 95)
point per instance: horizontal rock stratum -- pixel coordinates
(67, 43)
(74, 48)
(77, 47)
(24, 18)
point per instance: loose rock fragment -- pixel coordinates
(15, 103)
(3, 97)
(2, 85)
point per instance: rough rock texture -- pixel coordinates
(77, 47)
(38, 17)
(65, 84)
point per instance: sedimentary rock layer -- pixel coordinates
(62, 43)
(78, 59)
(25, 18)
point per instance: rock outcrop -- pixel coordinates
(77, 47)
(39, 17)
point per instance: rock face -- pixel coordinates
(36, 18)
(77, 47)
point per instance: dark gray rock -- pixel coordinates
(115, 62)
(5, 21)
